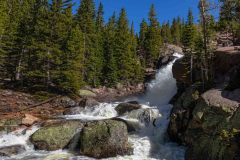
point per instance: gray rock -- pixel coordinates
(122, 108)
(56, 136)
(102, 139)
(73, 111)
(145, 116)
(12, 150)
(88, 102)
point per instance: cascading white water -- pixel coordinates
(163, 87)
(149, 141)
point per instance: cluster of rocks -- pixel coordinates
(98, 139)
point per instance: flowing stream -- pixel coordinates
(150, 141)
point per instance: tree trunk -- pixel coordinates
(19, 65)
(48, 68)
(204, 57)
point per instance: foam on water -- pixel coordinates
(102, 111)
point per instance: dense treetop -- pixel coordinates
(43, 45)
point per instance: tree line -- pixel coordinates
(46, 44)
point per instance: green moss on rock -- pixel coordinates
(55, 136)
(102, 139)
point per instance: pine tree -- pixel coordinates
(71, 77)
(176, 31)
(100, 41)
(230, 17)
(189, 34)
(136, 72)
(143, 33)
(166, 33)
(110, 64)
(15, 38)
(4, 16)
(154, 40)
(123, 48)
(142, 42)
(86, 21)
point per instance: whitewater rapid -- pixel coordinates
(150, 142)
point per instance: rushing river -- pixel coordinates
(150, 142)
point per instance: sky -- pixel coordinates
(138, 9)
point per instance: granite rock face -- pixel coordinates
(209, 125)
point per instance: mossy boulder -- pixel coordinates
(102, 139)
(56, 136)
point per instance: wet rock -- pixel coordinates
(73, 111)
(12, 150)
(131, 126)
(164, 60)
(146, 116)
(83, 104)
(59, 156)
(102, 139)
(88, 102)
(56, 136)
(133, 102)
(126, 107)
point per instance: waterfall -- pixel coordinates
(149, 141)
(163, 87)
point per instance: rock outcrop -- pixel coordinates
(208, 125)
(167, 54)
(102, 139)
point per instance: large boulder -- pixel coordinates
(210, 128)
(56, 135)
(102, 139)
(9, 151)
(127, 107)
